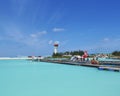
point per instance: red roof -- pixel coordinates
(55, 44)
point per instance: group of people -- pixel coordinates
(77, 58)
(84, 57)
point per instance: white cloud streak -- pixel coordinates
(58, 29)
(14, 34)
(38, 34)
(106, 39)
(19, 6)
(50, 42)
(57, 42)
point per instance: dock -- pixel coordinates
(109, 68)
(100, 66)
(91, 65)
(110, 62)
(64, 62)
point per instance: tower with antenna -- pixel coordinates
(56, 47)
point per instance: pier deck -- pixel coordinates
(100, 66)
(109, 68)
(110, 62)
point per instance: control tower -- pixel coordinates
(56, 47)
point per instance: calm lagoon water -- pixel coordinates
(27, 78)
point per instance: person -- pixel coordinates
(87, 59)
(93, 61)
(96, 57)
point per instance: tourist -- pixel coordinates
(93, 61)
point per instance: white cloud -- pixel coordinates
(58, 29)
(38, 34)
(34, 39)
(14, 34)
(42, 33)
(33, 35)
(57, 42)
(106, 39)
(50, 42)
(56, 16)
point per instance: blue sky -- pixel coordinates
(30, 27)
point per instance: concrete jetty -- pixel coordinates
(110, 68)
(100, 66)
(110, 62)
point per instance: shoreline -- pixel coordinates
(14, 58)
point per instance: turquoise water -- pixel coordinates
(27, 78)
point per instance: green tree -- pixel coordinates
(57, 55)
(116, 53)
